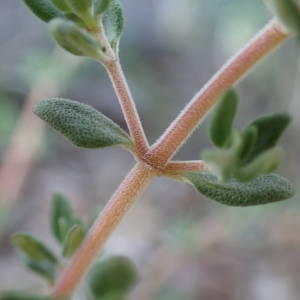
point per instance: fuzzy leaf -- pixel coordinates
(288, 12)
(249, 137)
(112, 275)
(222, 119)
(43, 9)
(61, 218)
(113, 21)
(73, 240)
(261, 190)
(74, 39)
(62, 5)
(101, 6)
(36, 256)
(269, 130)
(82, 124)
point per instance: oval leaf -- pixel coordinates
(74, 39)
(43, 9)
(73, 240)
(36, 256)
(222, 119)
(261, 190)
(113, 21)
(115, 274)
(269, 130)
(61, 218)
(82, 124)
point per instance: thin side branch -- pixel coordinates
(174, 137)
(121, 201)
(131, 115)
(186, 166)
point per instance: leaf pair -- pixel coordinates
(244, 154)
(112, 278)
(81, 124)
(76, 25)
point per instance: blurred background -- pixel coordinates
(185, 246)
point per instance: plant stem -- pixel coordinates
(174, 137)
(268, 39)
(131, 115)
(121, 201)
(186, 166)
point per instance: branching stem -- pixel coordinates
(155, 161)
(174, 137)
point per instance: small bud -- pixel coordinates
(74, 39)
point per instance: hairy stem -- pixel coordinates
(120, 85)
(186, 166)
(174, 137)
(121, 201)
(268, 39)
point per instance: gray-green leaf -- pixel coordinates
(74, 39)
(261, 190)
(36, 256)
(113, 21)
(115, 274)
(222, 119)
(73, 240)
(43, 9)
(81, 124)
(269, 129)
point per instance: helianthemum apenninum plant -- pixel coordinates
(238, 171)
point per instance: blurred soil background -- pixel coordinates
(185, 246)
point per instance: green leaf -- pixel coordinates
(82, 124)
(22, 296)
(264, 163)
(269, 130)
(101, 6)
(73, 240)
(261, 190)
(61, 218)
(74, 39)
(36, 256)
(82, 8)
(249, 137)
(112, 275)
(222, 119)
(62, 5)
(288, 12)
(113, 21)
(43, 9)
